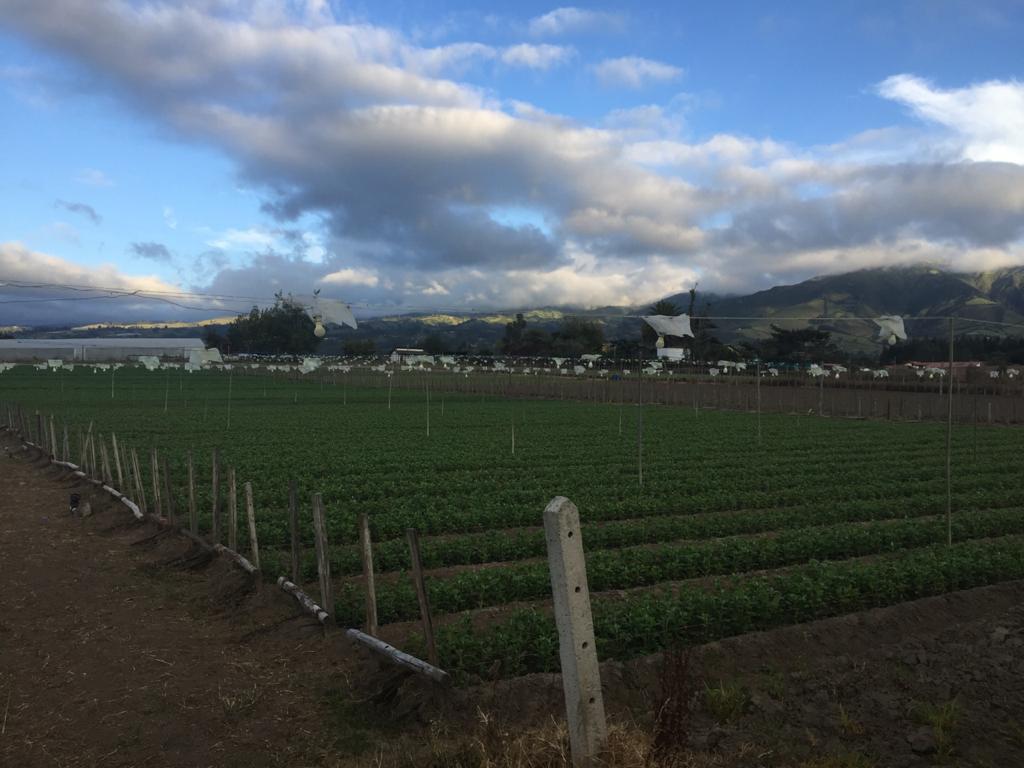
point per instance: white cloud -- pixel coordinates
(93, 178)
(169, 218)
(635, 72)
(570, 19)
(987, 118)
(351, 276)
(537, 56)
(233, 239)
(21, 264)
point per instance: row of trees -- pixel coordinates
(574, 337)
(285, 328)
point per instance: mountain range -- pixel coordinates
(922, 295)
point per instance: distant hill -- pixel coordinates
(919, 293)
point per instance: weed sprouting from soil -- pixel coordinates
(726, 701)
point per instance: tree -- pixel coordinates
(359, 347)
(283, 329)
(212, 338)
(577, 336)
(433, 344)
(512, 344)
(800, 345)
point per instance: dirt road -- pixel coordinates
(107, 659)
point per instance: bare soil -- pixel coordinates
(114, 653)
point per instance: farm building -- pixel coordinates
(97, 350)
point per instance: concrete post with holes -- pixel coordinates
(581, 677)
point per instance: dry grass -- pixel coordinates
(492, 746)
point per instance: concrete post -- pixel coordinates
(581, 677)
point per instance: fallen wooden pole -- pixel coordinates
(244, 564)
(398, 657)
(303, 599)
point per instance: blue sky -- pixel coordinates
(415, 154)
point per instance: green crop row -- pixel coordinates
(993, 491)
(618, 569)
(526, 641)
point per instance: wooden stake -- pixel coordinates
(216, 499)
(154, 469)
(293, 526)
(193, 512)
(640, 423)
(141, 501)
(232, 511)
(421, 594)
(94, 469)
(117, 461)
(167, 486)
(323, 560)
(105, 474)
(366, 549)
(250, 514)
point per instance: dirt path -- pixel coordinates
(107, 659)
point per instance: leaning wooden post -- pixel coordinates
(581, 676)
(250, 514)
(117, 463)
(66, 445)
(421, 594)
(168, 498)
(323, 559)
(154, 470)
(216, 499)
(232, 511)
(193, 512)
(94, 469)
(141, 501)
(293, 525)
(366, 549)
(53, 440)
(105, 474)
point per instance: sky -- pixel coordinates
(455, 155)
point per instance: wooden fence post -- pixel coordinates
(154, 469)
(141, 501)
(105, 474)
(193, 513)
(168, 498)
(366, 550)
(250, 514)
(293, 525)
(323, 560)
(216, 499)
(581, 676)
(117, 463)
(232, 511)
(66, 445)
(421, 594)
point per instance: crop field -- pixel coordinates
(728, 533)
